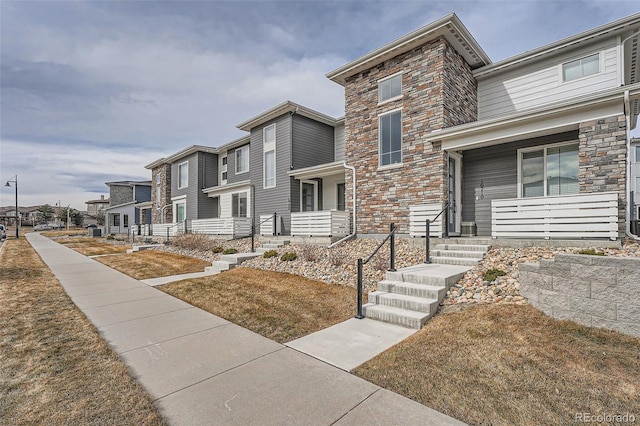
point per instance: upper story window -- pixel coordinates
(390, 134)
(242, 159)
(637, 153)
(269, 156)
(549, 171)
(581, 67)
(224, 160)
(223, 170)
(183, 175)
(158, 178)
(390, 88)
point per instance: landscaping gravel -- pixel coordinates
(338, 265)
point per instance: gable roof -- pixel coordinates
(284, 108)
(450, 27)
(130, 183)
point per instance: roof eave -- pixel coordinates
(284, 108)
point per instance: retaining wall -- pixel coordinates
(596, 291)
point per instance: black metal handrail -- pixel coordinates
(253, 228)
(175, 225)
(427, 235)
(392, 263)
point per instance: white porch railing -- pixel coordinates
(235, 226)
(325, 223)
(418, 216)
(266, 225)
(160, 229)
(573, 216)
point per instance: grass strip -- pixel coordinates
(54, 366)
(147, 264)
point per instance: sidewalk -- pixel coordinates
(202, 369)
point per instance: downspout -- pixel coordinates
(355, 228)
(627, 210)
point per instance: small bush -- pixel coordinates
(336, 258)
(110, 237)
(230, 251)
(270, 254)
(492, 274)
(193, 241)
(592, 252)
(289, 256)
(217, 249)
(148, 241)
(308, 253)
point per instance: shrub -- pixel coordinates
(148, 241)
(193, 241)
(592, 252)
(289, 256)
(308, 253)
(270, 253)
(336, 258)
(230, 251)
(217, 249)
(492, 274)
(110, 237)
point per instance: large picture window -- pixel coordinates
(549, 171)
(180, 212)
(239, 204)
(390, 130)
(581, 67)
(183, 175)
(242, 159)
(269, 158)
(390, 88)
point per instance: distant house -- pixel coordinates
(96, 206)
(122, 213)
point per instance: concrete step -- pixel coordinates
(411, 303)
(270, 246)
(463, 247)
(219, 266)
(278, 242)
(432, 274)
(458, 254)
(442, 260)
(466, 241)
(426, 291)
(403, 317)
(238, 258)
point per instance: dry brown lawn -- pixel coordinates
(508, 365)
(64, 232)
(153, 263)
(54, 367)
(279, 306)
(91, 246)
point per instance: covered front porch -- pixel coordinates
(318, 202)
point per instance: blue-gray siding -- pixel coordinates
(491, 174)
(313, 143)
(231, 167)
(203, 173)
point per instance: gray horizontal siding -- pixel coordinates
(231, 168)
(313, 143)
(207, 177)
(495, 167)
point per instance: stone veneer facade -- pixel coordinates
(120, 194)
(164, 170)
(602, 156)
(438, 91)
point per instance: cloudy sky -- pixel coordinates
(93, 91)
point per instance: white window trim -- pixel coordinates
(246, 197)
(315, 194)
(392, 165)
(223, 169)
(179, 174)
(242, 148)
(636, 150)
(561, 68)
(269, 146)
(395, 98)
(538, 148)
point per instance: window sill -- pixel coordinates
(386, 101)
(390, 167)
(241, 173)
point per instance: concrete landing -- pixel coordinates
(172, 278)
(348, 344)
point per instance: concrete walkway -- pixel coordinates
(202, 369)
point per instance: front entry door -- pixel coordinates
(455, 206)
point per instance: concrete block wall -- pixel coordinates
(596, 291)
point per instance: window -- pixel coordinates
(549, 171)
(116, 219)
(125, 220)
(239, 204)
(341, 196)
(224, 175)
(637, 193)
(158, 178)
(269, 142)
(158, 194)
(308, 196)
(581, 67)
(180, 212)
(224, 161)
(390, 130)
(637, 153)
(390, 88)
(183, 175)
(242, 159)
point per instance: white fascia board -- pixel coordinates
(533, 126)
(179, 197)
(321, 170)
(448, 26)
(284, 108)
(606, 30)
(214, 191)
(234, 144)
(120, 205)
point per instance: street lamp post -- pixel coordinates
(15, 184)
